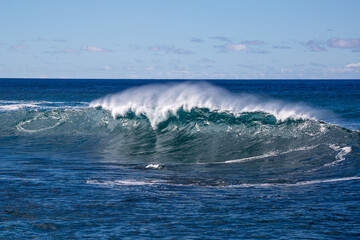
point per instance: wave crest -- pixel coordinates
(158, 102)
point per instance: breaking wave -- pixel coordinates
(186, 123)
(161, 101)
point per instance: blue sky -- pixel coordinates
(191, 39)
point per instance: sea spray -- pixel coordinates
(160, 101)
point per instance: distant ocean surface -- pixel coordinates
(172, 159)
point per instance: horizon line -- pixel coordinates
(182, 79)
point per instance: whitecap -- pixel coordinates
(160, 101)
(154, 166)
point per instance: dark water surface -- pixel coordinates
(142, 159)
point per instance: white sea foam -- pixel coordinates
(302, 183)
(159, 101)
(340, 156)
(6, 105)
(122, 183)
(118, 183)
(19, 179)
(154, 166)
(51, 121)
(271, 154)
(16, 106)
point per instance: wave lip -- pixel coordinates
(160, 101)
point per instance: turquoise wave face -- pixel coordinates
(199, 136)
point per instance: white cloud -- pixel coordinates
(154, 49)
(20, 47)
(237, 47)
(169, 49)
(69, 50)
(353, 65)
(95, 49)
(66, 50)
(107, 68)
(344, 43)
(232, 47)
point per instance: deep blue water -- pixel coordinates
(143, 159)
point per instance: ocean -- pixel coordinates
(177, 159)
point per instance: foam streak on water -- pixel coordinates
(301, 183)
(271, 154)
(340, 156)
